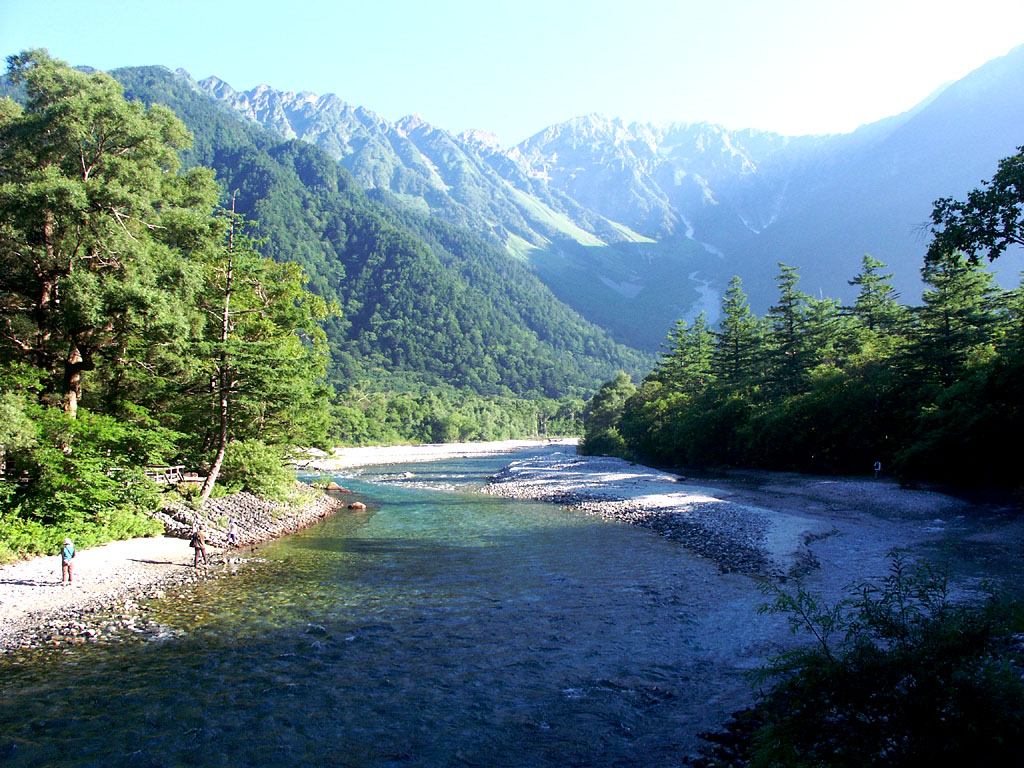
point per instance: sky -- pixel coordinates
(513, 68)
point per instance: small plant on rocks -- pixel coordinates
(899, 674)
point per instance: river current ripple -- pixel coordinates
(440, 627)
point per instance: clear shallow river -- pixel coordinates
(438, 628)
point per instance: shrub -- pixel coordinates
(254, 466)
(898, 675)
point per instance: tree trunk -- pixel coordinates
(74, 364)
(222, 443)
(223, 385)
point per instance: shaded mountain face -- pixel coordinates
(635, 225)
(422, 301)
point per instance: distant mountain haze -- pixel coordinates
(635, 225)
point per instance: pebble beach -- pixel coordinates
(764, 525)
(111, 580)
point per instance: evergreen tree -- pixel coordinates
(829, 339)
(789, 357)
(877, 306)
(959, 319)
(686, 365)
(262, 350)
(86, 183)
(738, 350)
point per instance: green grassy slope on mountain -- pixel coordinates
(419, 299)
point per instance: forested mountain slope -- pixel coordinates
(420, 300)
(636, 224)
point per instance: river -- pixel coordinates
(440, 627)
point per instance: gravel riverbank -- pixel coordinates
(764, 524)
(346, 458)
(103, 603)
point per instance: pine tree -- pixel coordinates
(960, 317)
(686, 365)
(788, 354)
(877, 305)
(738, 350)
(88, 182)
(829, 337)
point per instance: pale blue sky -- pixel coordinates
(793, 66)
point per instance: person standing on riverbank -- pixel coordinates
(67, 555)
(198, 543)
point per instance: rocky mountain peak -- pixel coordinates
(217, 87)
(414, 123)
(481, 140)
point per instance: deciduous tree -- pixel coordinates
(988, 222)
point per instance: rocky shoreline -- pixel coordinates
(734, 536)
(257, 519)
(115, 612)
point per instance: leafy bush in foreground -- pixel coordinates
(897, 675)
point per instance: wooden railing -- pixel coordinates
(166, 475)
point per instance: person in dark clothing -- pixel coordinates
(198, 543)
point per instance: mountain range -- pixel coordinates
(422, 302)
(635, 225)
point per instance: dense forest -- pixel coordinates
(147, 317)
(422, 303)
(138, 323)
(929, 391)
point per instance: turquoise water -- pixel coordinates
(438, 628)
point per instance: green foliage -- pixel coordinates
(960, 314)
(739, 347)
(876, 308)
(931, 392)
(602, 416)
(253, 466)
(379, 418)
(80, 478)
(898, 675)
(988, 221)
(125, 315)
(88, 181)
(686, 364)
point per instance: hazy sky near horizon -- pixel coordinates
(513, 68)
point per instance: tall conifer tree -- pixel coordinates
(789, 357)
(739, 341)
(961, 314)
(86, 181)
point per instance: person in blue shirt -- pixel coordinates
(67, 554)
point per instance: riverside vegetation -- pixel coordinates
(142, 322)
(901, 673)
(929, 392)
(897, 674)
(139, 324)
